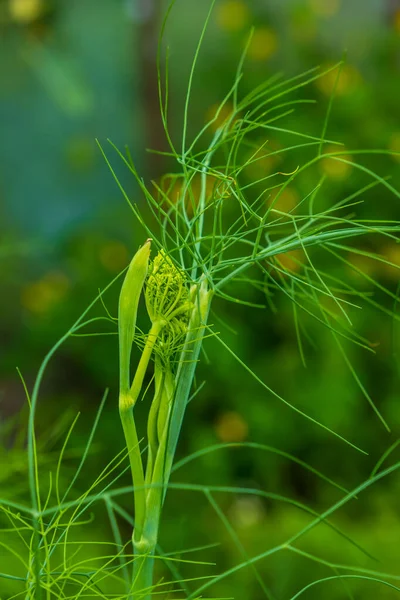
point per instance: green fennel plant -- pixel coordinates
(216, 235)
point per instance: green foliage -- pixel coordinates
(224, 235)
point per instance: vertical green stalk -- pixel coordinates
(158, 430)
(165, 421)
(176, 316)
(152, 430)
(201, 297)
(127, 314)
(144, 360)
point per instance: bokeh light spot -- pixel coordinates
(247, 511)
(392, 253)
(325, 8)
(263, 44)
(217, 115)
(25, 11)
(333, 167)
(41, 296)
(265, 160)
(396, 21)
(362, 266)
(291, 261)
(287, 200)
(394, 145)
(231, 427)
(232, 15)
(114, 256)
(349, 79)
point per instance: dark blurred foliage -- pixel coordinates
(72, 71)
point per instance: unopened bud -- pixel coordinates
(128, 307)
(167, 299)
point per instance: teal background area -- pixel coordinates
(60, 90)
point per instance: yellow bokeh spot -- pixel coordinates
(41, 296)
(263, 44)
(290, 261)
(247, 511)
(394, 145)
(231, 427)
(396, 21)
(232, 15)
(325, 8)
(349, 80)
(333, 305)
(286, 201)
(197, 187)
(174, 187)
(263, 162)
(333, 167)
(392, 253)
(25, 11)
(362, 266)
(217, 116)
(114, 256)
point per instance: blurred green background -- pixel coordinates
(76, 70)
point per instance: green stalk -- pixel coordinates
(126, 404)
(143, 567)
(152, 434)
(201, 297)
(144, 359)
(127, 313)
(135, 460)
(165, 423)
(169, 306)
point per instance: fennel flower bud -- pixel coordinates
(167, 301)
